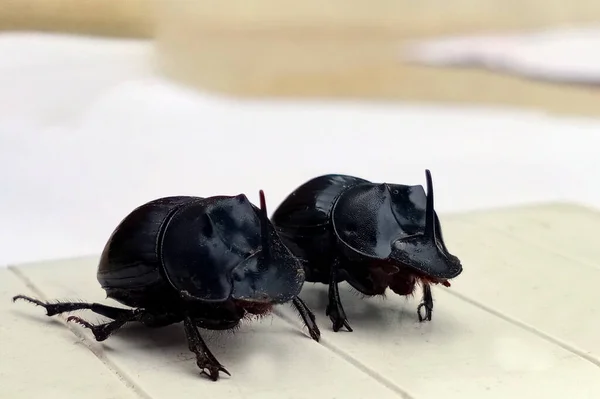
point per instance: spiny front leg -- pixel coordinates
(205, 360)
(53, 309)
(100, 331)
(103, 331)
(335, 310)
(308, 317)
(427, 303)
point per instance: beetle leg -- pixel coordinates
(100, 331)
(335, 310)
(308, 317)
(62, 307)
(103, 331)
(427, 303)
(204, 358)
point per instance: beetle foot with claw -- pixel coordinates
(101, 331)
(427, 304)
(428, 311)
(210, 368)
(51, 309)
(338, 318)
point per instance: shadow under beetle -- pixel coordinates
(373, 236)
(209, 262)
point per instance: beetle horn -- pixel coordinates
(264, 226)
(429, 212)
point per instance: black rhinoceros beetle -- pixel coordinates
(373, 236)
(208, 262)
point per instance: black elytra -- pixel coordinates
(373, 236)
(209, 262)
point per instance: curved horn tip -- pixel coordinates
(429, 212)
(429, 180)
(263, 202)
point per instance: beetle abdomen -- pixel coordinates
(130, 270)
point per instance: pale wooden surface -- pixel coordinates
(522, 320)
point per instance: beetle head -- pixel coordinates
(426, 252)
(271, 274)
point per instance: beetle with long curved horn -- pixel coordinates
(374, 236)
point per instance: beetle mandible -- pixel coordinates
(373, 236)
(209, 262)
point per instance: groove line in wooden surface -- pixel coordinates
(403, 393)
(112, 367)
(539, 333)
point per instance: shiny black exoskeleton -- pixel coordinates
(208, 262)
(373, 236)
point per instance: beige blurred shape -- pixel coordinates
(339, 48)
